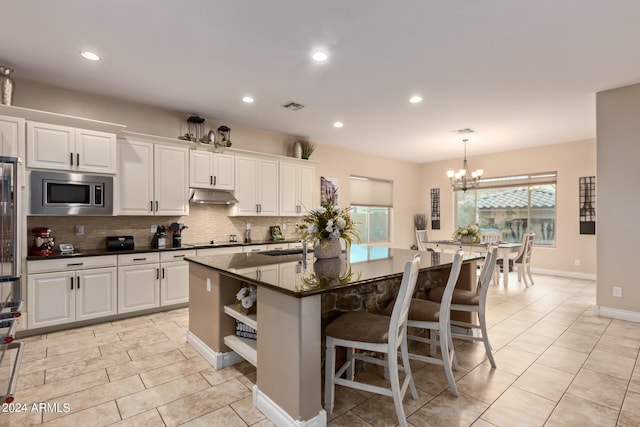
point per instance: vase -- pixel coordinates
(329, 268)
(6, 85)
(297, 150)
(466, 239)
(327, 248)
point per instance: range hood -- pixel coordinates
(217, 197)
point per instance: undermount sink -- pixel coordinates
(278, 252)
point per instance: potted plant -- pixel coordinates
(307, 148)
(468, 234)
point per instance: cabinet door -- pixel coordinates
(51, 299)
(171, 180)
(289, 274)
(138, 287)
(223, 171)
(135, 178)
(95, 151)
(307, 188)
(268, 273)
(174, 286)
(96, 293)
(268, 188)
(288, 189)
(246, 179)
(11, 133)
(50, 146)
(200, 169)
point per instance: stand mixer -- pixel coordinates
(42, 241)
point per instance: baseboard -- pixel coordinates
(279, 417)
(562, 273)
(216, 359)
(614, 313)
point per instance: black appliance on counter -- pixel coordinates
(120, 243)
(175, 229)
(159, 240)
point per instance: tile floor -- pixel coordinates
(558, 365)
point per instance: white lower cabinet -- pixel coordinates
(174, 277)
(264, 273)
(138, 281)
(66, 296)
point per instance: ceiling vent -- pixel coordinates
(293, 106)
(464, 131)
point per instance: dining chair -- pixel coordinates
(522, 260)
(422, 237)
(472, 302)
(435, 319)
(368, 332)
(490, 237)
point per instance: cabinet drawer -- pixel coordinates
(169, 256)
(71, 263)
(142, 258)
(220, 251)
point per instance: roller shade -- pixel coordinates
(371, 192)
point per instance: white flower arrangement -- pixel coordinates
(246, 298)
(328, 222)
(472, 231)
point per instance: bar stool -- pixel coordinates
(374, 333)
(435, 317)
(473, 302)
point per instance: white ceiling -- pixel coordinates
(520, 73)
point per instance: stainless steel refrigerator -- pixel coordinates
(10, 289)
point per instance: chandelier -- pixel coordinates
(461, 180)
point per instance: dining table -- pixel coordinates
(505, 249)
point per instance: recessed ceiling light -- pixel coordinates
(90, 56)
(320, 56)
(247, 99)
(415, 99)
(338, 124)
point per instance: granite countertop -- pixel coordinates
(312, 277)
(79, 252)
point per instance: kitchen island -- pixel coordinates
(296, 297)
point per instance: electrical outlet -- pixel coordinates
(79, 230)
(576, 263)
(153, 228)
(617, 291)
(284, 226)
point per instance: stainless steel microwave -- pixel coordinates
(62, 193)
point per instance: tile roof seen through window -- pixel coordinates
(517, 198)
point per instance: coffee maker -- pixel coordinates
(159, 240)
(175, 229)
(42, 241)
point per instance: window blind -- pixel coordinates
(371, 192)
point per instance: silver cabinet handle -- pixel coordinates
(140, 259)
(71, 159)
(210, 179)
(178, 256)
(151, 206)
(77, 159)
(157, 209)
(257, 208)
(78, 282)
(74, 264)
(157, 273)
(163, 272)
(71, 283)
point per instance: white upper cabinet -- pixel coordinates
(152, 179)
(66, 148)
(296, 188)
(11, 135)
(256, 186)
(211, 170)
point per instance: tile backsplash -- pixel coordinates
(204, 222)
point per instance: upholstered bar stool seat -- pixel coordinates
(360, 326)
(460, 296)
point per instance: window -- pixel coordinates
(371, 203)
(513, 206)
(372, 223)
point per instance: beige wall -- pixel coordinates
(571, 160)
(618, 205)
